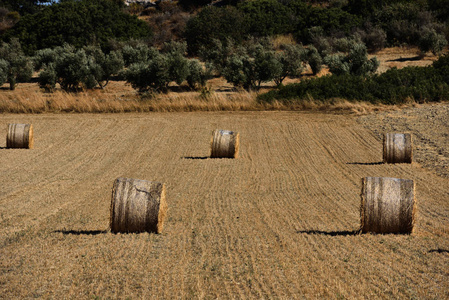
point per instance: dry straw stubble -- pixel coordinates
(225, 144)
(387, 205)
(137, 206)
(20, 136)
(397, 148)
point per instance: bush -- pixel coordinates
(392, 87)
(314, 60)
(430, 40)
(47, 78)
(355, 63)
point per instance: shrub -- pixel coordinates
(47, 78)
(356, 62)
(314, 60)
(392, 87)
(430, 40)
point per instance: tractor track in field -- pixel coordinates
(279, 222)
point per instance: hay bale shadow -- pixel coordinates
(332, 233)
(366, 164)
(81, 232)
(195, 157)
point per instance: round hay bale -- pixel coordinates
(388, 205)
(20, 136)
(225, 144)
(397, 148)
(137, 206)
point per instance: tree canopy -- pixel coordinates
(78, 23)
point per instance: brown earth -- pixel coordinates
(279, 222)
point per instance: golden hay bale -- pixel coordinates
(397, 148)
(225, 144)
(388, 205)
(137, 206)
(20, 136)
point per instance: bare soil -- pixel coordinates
(279, 222)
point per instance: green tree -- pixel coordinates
(78, 23)
(266, 17)
(214, 23)
(355, 63)
(292, 60)
(19, 67)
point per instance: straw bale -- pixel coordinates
(387, 205)
(20, 136)
(397, 148)
(225, 144)
(137, 206)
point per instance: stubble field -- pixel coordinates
(279, 222)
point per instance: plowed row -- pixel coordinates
(279, 222)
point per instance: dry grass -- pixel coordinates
(120, 97)
(278, 223)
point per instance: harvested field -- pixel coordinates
(279, 222)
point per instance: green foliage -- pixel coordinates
(266, 17)
(214, 23)
(217, 54)
(78, 23)
(430, 40)
(292, 60)
(139, 53)
(355, 63)
(47, 78)
(191, 4)
(198, 75)
(24, 7)
(19, 67)
(252, 66)
(314, 60)
(4, 65)
(153, 75)
(392, 87)
(76, 69)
